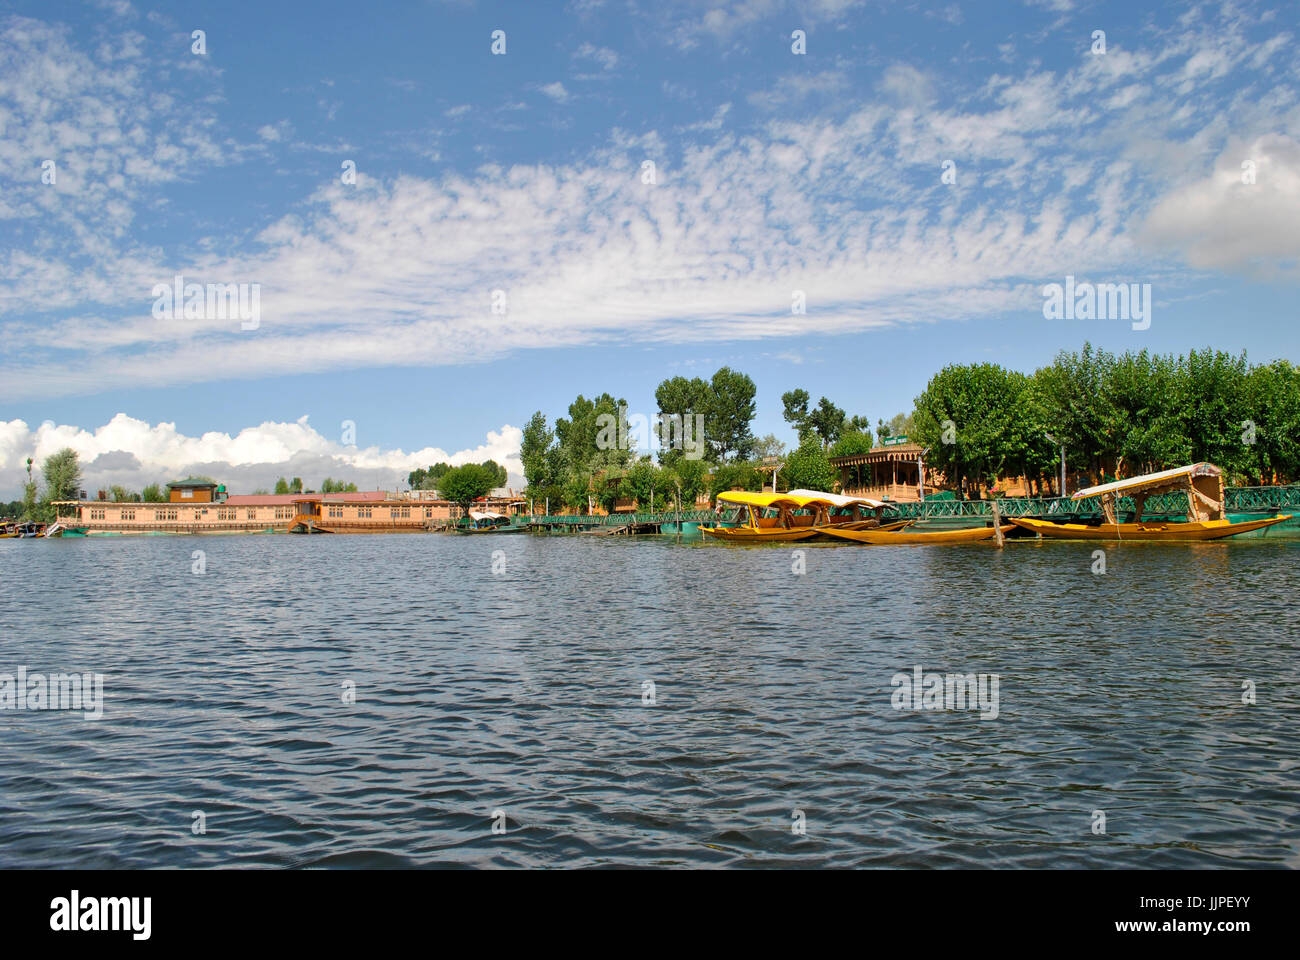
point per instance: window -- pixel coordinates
(284, 513)
(251, 514)
(187, 494)
(227, 513)
(363, 513)
(128, 514)
(96, 513)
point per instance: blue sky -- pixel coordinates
(523, 172)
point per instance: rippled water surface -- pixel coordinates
(522, 692)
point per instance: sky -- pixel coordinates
(444, 239)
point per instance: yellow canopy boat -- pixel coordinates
(1206, 518)
(854, 513)
(770, 517)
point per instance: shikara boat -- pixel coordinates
(882, 537)
(1206, 519)
(769, 517)
(489, 521)
(853, 513)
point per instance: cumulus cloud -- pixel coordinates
(1243, 216)
(135, 453)
(556, 91)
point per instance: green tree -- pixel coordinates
(281, 486)
(739, 475)
(1273, 393)
(688, 478)
(537, 441)
(590, 437)
(645, 484)
(731, 411)
(1214, 404)
(464, 485)
(123, 495)
(851, 444)
(576, 491)
(795, 411)
(499, 473)
(808, 468)
(683, 399)
(980, 423)
(62, 472)
(154, 493)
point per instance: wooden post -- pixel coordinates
(997, 523)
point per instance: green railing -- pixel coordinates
(1238, 500)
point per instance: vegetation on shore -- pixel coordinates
(1115, 415)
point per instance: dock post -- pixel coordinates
(997, 523)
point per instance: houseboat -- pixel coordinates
(201, 507)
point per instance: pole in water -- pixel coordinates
(997, 523)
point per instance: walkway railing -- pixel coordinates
(1238, 500)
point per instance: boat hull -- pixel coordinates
(750, 535)
(1192, 530)
(886, 537)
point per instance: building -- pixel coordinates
(198, 507)
(891, 471)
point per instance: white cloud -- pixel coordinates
(556, 91)
(1221, 222)
(135, 453)
(604, 56)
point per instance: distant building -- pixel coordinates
(202, 507)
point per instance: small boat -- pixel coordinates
(852, 513)
(59, 529)
(489, 521)
(769, 517)
(1206, 518)
(883, 537)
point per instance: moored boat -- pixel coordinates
(884, 537)
(769, 517)
(489, 521)
(1206, 518)
(852, 513)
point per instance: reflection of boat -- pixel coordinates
(489, 521)
(883, 537)
(1206, 519)
(769, 517)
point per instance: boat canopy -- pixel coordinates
(838, 499)
(1164, 481)
(744, 498)
(486, 515)
(1202, 482)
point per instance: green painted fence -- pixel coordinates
(1239, 500)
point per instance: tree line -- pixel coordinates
(1115, 415)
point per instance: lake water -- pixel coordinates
(510, 691)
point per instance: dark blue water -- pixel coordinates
(521, 692)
